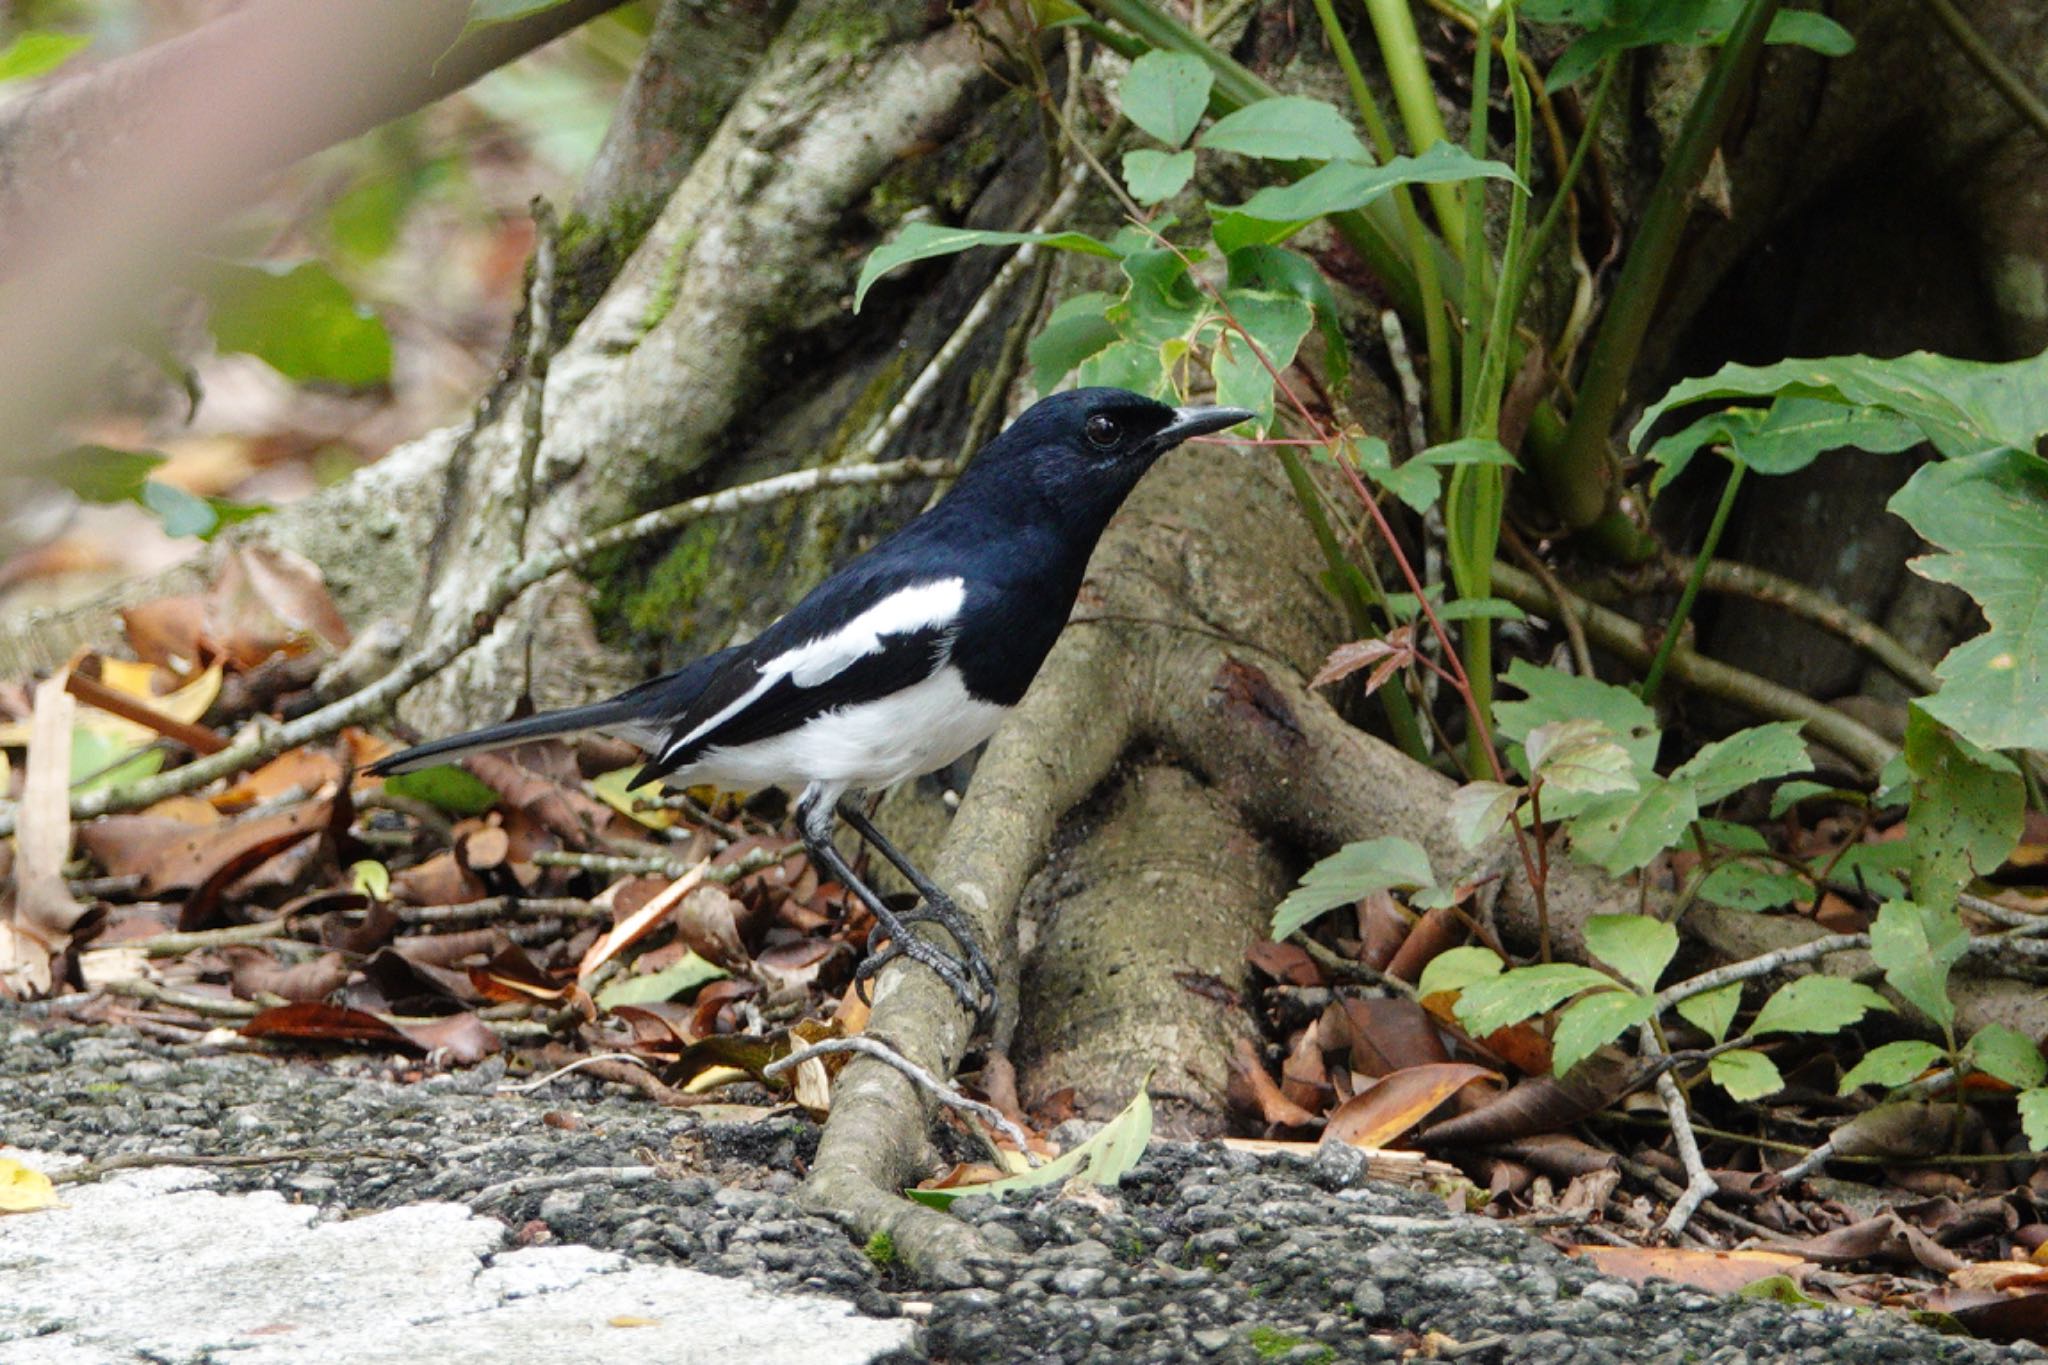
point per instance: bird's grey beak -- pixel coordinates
(1199, 422)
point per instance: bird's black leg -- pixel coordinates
(938, 906)
(815, 813)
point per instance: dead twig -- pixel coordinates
(1698, 1184)
(917, 1075)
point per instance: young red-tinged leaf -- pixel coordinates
(1347, 659)
(1523, 992)
(1480, 810)
(1712, 1011)
(1638, 947)
(2007, 1054)
(1594, 1022)
(1397, 1102)
(1892, 1065)
(1745, 1074)
(1817, 1004)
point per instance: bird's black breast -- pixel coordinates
(1007, 631)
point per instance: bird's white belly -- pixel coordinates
(870, 744)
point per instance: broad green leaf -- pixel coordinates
(1162, 304)
(1233, 232)
(445, 787)
(1411, 481)
(1102, 1160)
(1638, 947)
(1555, 695)
(100, 760)
(1757, 754)
(299, 320)
(1745, 1074)
(104, 474)
(1579, 756)
(1688, 23)
(39, 52)
(2034, 1119)
(1916, 945)
(1166, 94)
(1892, 1065)
(1456, 968)
(1734, 838)
(371, 878)
(1792, 793)
(1277, 323)
(1469, 450)
(1787, 436)
(1480, 810)
(667, 984)
(1989, 515)
(1965, 407)
(1345, 185)
(1741, 885)
(1624, 831)
(1286, 128)
(1077, 329)
(1594, 1022)
(1276, 270)
(1390, 863)
(922, 241)
(1968, 808)
(1523, 992)
(1875, 869)
(1133, 365)
(2008, 1055)
(1154, 175)
(1712, 1011)
(1817, 1004)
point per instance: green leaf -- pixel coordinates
(1965, 407)
(1412, 482)
(1638, 947)
(1162, 303)
(1687, 23)
(1344, 185)
(1875, 869)
(1456, 968)
(1757, 754)
(1390, 863)
(1102, 1160)
(1480, 810)
(1741, 885)
(1817, 1004)
(38, 52)
(1278, 323)
(1792, 793)
(1623, 832)
(1990, 516)
(1785, 437)
(1233, 232)
(1077, 329)
(1916, 945)
(2034, 1119)
(1153, 175)
(1482, 450)
(1286, 128)
(104, 474)
(667, 984)
(100, 760)
(1276, 270)
(1554, 695)
(445, 787)
(1712, 1011)
(1745, 1074)
(1892, 1065)
(371, 878)
(299, 320)
(922, 241)
(1579, 756)
(1166, 94)
(1967, 811)
(1726, 834)
(1523, 992)
(2008, 1055)
(1593, 1023)
(1133, 365)
(182, 513)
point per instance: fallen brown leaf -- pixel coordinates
(1395, 1103)
(1717, 1272)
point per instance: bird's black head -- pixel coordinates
(1087, 448)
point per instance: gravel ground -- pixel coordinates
(1203, 1254)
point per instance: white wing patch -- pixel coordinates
(817, 661)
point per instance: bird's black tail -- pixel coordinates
(547, 725)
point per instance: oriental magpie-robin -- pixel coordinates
(901, 661)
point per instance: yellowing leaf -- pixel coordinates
(611, 789)
(24, 1190)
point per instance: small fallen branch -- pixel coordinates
(917, 1075)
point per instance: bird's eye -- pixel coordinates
(1102, 431)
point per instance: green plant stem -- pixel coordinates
(1500, 328)
(1435, 325)
(1683, 611)
(1524, 266)
(1475, 228)
(1580, 475)
(1985, 58)
(1351, 592)
(1393, 26)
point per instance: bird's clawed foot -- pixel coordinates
(966, 975)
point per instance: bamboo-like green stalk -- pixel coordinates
(1523, 265)
(1579, 475)
(1393, 24)
(1654, 678)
